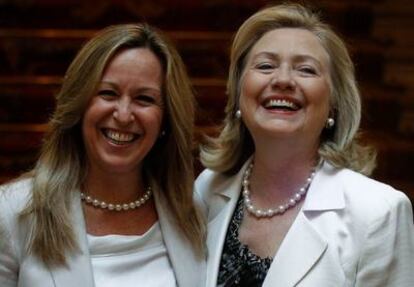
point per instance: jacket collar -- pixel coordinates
(299, 252)
(323, 193)
(231, 188)
(78, 271)
(303, 244)
(188, 269)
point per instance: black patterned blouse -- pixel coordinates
(239, 266)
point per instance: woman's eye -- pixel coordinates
(107, 93)
(145, 99)
(264, 66)
(307, 70)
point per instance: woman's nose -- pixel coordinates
(123, 113)
(283, 79)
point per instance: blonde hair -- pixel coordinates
(61, 167)
(340, 145)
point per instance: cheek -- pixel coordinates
(320, 94)
(152, 118)
(158, 115)
(321, 106)
(94, 111)
(87, 121)
(249, 90)
(158, 120)
(326, 99)
(88, 124)
(250, 85)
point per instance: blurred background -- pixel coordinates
(39, 38)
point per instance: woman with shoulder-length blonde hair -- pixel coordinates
(287, 195)
(110, 199)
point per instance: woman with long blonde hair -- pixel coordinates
(109, 201)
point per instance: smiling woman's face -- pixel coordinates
(285, 87)
(123, 120)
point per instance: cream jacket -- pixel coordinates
(351, 231)
(17, 268)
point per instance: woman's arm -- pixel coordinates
(387, 257)
(9, 266)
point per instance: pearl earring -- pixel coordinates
(238, 114)
(162, 134)
(330, 122)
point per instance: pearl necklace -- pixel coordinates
(260, 213)
(117, 207)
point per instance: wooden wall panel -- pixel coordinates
(38, 39)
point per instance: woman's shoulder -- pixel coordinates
(210, 181)
(355, 180)
(20, 184)
(207, 181)
(365, 192)
(16, 193)
(206, 177)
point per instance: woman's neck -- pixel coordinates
(113, 187)
(280, 172)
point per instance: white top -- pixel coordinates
(130, 260)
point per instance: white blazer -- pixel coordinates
(17, 268)
(351, 231)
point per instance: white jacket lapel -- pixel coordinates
(222, 205)
(79, 269)
(299, 252)
(189, 270)
(303, 245)
(324, 193)
(217, 230)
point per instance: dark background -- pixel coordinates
(38, 39)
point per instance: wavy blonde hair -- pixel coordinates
(61, 167)
(339, 146)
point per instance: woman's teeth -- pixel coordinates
(118, 136)
(278, 103)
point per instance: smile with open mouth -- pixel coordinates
(120, 138)
(281, 104)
